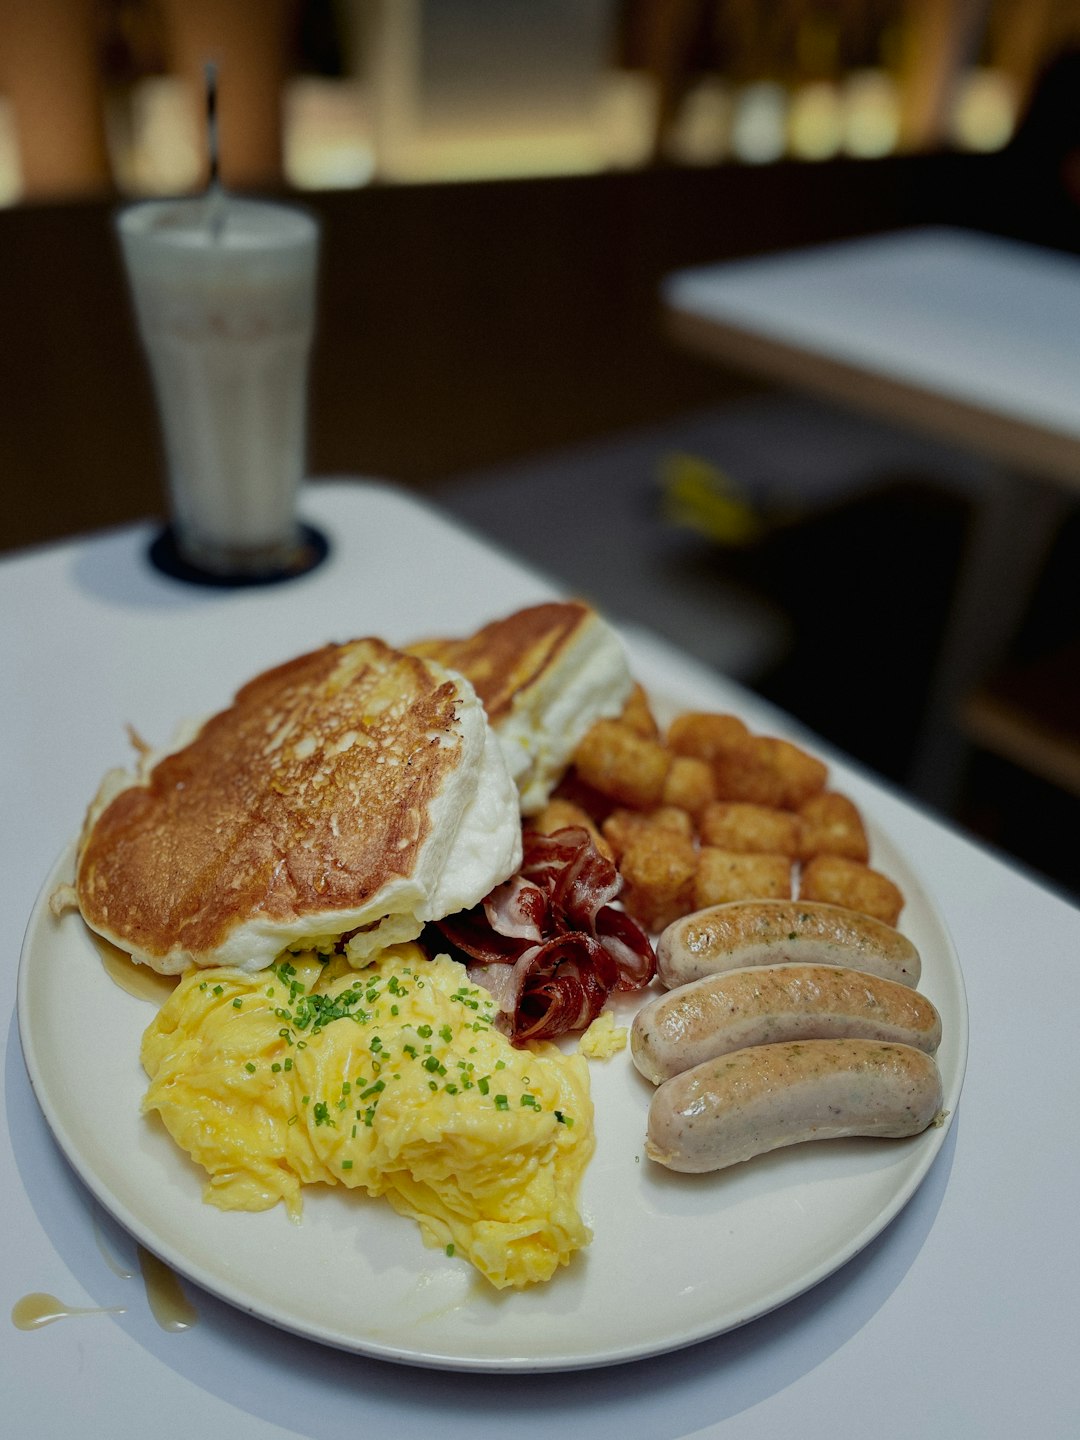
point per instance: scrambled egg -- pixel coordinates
(603, 1038)
(391, 1080)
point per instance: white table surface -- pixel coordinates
(988, 322)
(960, 1320)
(964, 335)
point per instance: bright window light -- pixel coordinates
(702, 128)
(816, 121)
(329, 142)
(11, 186)
(153, 137)
(759, 123)
(871, 114)
(984, 115)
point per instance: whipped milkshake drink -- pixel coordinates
(224, 294)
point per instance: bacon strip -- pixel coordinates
(548, 943)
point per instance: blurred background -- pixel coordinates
(502, 186)
(102, 95)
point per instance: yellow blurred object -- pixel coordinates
(704, 498)
(390, 1079)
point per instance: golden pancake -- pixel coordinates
(507, 657)
(544, 675)
(329, 797)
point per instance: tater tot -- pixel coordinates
(749, 829)
(658, 867)
(830, 824)
(622, 825)
(689, 784)
(802, 774)
(655, 915)
(705, 736)
(573, 788)
(745, 777)
(558, 814)
(855, 887)
(769, 771)
(619, 763)
(637, 714)
(724, 875)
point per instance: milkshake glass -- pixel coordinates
(224, 294)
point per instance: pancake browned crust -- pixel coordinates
(544, 675)
(306, 798)
(506, 658)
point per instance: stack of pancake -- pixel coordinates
(347, 797)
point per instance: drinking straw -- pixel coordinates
(215, 194)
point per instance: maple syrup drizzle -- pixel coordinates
(38, 1309)
(169, 1305)
(137, 980)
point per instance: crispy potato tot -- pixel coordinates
(637, 714)
(724, 875)
(656, 915)
(573, 788)
(617, 762)
(769, 772)
(707, 737)
(622, 825)
(690, 784)
(558, 814)
(856, 887)
(658, 861)
(802, 774)
(744, 778)
(749, 829)
(830, 824)
(658, 867)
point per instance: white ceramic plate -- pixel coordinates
(675, 1259)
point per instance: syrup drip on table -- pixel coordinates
(38, 1309)
(107, 1255)
(169, 1305)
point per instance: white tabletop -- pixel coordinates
(955, 328)
(960, 1319)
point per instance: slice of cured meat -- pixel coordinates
(549, 943)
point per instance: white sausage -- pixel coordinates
(765, 1004)
(774, 932)
(767, 1096)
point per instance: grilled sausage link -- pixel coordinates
(774, 932)
(766, 1004)
(767, 1096)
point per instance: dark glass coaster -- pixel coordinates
(311, 550)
